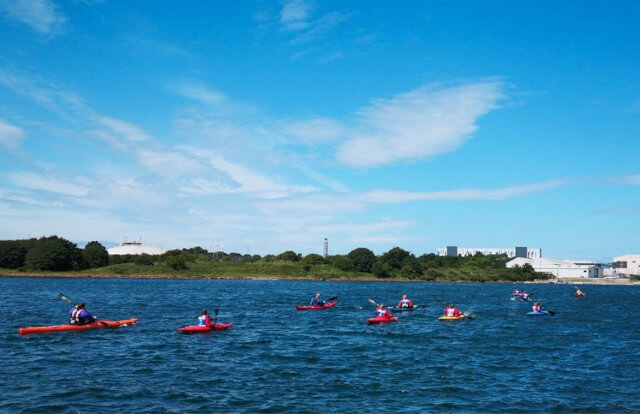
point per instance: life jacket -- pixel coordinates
(202, 320)
(405, 303)
(450, 311)
(75, 316)
(536, 308)
(381, 312)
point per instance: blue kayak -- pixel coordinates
(544, 312)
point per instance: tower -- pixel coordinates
(325, 250)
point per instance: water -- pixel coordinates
(275, 359)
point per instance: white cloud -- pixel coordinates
(35, 181)
(419, 124)
(295, 13)
(168, 163)
(314, 130)
(399, 197)
(198, 93)
(122, 129)
(10, 136)
(43, 16)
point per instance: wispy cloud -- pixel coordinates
(10, 136)
(419, 124)
(124, 130)
(198, 92)
(35, 181)
(43, 16)
(314, 130)
(398, 197)
(295, 14)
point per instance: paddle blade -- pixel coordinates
(552, 313)
(216, 312)
(332, 298)
(373, 301)
(65, 298)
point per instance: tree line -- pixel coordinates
(57, 254)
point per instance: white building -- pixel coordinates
(134, 247)
(509, 251)
(627, 265)
(559, 268)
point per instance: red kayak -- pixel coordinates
(379, 319)
(210, 328)
(317, 307)
(580, 296)
(63, 328)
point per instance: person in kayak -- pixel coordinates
(383, 312)
(536, 307)
(451, 310)
(516, 292)
(204, 319)
(579, 292)
(316, 300)
(405, 302)
(526, 296)
(80, 315)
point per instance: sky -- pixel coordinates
(263, 126)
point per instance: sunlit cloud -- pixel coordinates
(43, 16)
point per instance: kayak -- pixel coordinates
(63, 328)
(199, 328)
(382, 319)
(540, 313)
(317, 307)
(580, 296)
(451, 318)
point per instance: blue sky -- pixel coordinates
(265, 126)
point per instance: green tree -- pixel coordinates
(95, 255)
(362, 259)
(12, 254)
(289, 255)
(395, 257)
(313, 259)
(381, 269)
(340, 262)
(54, 253)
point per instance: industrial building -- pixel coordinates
(134, 247)
(560, 268)
(525, 252)
(627, 265)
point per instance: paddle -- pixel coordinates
(466, 315)
(332, 298)
(552, 313)
(375, 303)
(413, 307)
(68, 300)
(215, 319)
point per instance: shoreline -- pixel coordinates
(604, 282)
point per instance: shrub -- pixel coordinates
(176, 262)
(143, 260)
(313, 259)
(381, 270)
(341, 262)
(289, 256)
(12, 254)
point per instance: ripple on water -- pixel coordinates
(275, 359)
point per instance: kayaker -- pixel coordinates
(80, 315)
(579, 292)
(383, 312)
(536, 307)
(515, 292)
(316, 300)
(525, 296)
(405, 302)
(204, 319)
(451, 310)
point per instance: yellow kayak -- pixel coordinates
(451, 318)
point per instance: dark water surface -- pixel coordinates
(275, 359)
